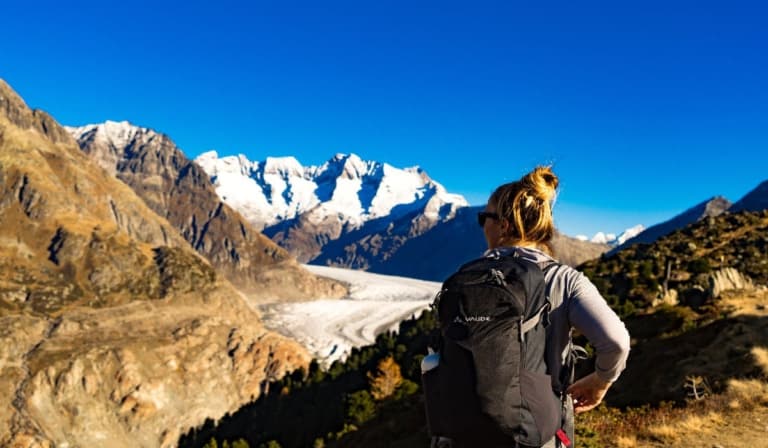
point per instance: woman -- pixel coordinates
(518, 219)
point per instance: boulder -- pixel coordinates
(670, 298)
(694, 297)
(727, 279)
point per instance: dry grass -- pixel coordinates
(701, 424)
(665, 433)
(626, 442)
(668, 425)
(746, 303)
(747, 393)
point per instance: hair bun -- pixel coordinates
(542, 182)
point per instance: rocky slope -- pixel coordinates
(113, 331)
(129, 375)
(687, 266)
(179, 190)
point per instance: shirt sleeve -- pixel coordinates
(589, 313)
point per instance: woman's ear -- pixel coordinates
(504, 226)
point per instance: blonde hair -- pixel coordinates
(527, 206)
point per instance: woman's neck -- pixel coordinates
(518, 243)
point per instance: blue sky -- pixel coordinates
(644, 108)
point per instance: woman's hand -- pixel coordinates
(588, 392)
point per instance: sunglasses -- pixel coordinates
(482, 216)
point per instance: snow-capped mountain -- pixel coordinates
(629, 234)
(603, 238)
(280, 188)
(107, 142)
(118, 133)
(306, 208)
(611, 239)
(345, 212)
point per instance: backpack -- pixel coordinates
(492, 385)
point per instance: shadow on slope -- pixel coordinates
(657, 372)
(670, 345)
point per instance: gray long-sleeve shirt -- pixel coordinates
(577, 303)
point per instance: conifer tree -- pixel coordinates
(387, 378)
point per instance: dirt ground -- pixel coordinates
(731, 428)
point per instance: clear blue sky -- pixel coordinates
(644, 108)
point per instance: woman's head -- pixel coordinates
(520, 213)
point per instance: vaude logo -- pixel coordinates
(467, 319)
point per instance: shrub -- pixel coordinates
(360, 407)
(699, 266)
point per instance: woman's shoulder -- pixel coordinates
(572, 281)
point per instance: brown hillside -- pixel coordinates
(113, 331)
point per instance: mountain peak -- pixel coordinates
(345, 189)
(603, 238)
(284, 166)
(210, 155)
(117, 133)
(349, 166)
(716, 205)
(611, 238)
(18, 113)
(10, 101)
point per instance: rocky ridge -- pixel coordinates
(755, 200)
(314, 211)
(113, 330)
(710, 207)
(694, 261)
(179, 190)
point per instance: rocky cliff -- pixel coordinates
(179, 190)
(113, 330)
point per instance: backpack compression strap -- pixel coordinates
(528, 325)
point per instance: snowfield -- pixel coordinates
(330, 328)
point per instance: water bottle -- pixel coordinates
(430, 361)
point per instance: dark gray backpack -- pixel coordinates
(492, 386)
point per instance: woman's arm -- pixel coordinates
(589, 313)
